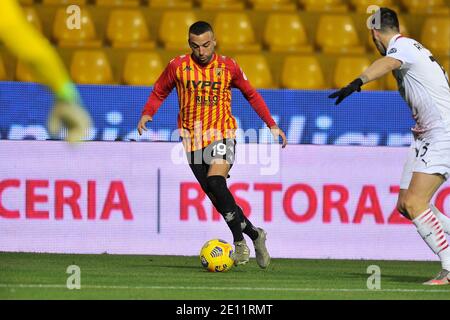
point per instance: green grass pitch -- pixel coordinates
(44, 276)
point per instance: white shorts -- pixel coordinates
(430, 156)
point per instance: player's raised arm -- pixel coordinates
(161, 89)
(241, 82)
(378, 69)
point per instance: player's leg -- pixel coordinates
(258, 236)
(225, 150)
(213, 188)
(226, 205)
(416, 202)
(445, 221)
(220, 165)
(420, 191)
(200, 171)
(434, 158)
(404, 185)
(225, 202)
(219, 156)
(247, 227)
(400, 203)
(216, 189)
(405, 180)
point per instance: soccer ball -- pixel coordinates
(217, 255)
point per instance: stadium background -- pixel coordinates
(294, 52)
(284, 44)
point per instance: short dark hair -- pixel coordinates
(388, 20)
(200, 27)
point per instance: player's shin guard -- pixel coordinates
(445, 221)
(226, 205)
(246, 226)
(430, 229)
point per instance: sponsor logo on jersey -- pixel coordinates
(215, 85)
(393, 50)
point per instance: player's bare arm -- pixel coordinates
(378, 69)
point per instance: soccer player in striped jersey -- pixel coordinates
(204, 80)
(424, 85)
(31, 47)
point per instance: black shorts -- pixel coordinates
(221, 149)
(200, 160)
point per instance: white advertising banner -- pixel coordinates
(141, 198)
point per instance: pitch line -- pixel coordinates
(58, 286)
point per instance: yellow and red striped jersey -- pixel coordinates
(204, 98)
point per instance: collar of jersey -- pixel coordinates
(394, 38)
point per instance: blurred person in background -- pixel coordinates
(29, 46)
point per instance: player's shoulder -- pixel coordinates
(177, 61)
(229, 62)
(403, 40)
(402, 43)
(224, 58)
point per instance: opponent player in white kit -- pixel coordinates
(423, 83)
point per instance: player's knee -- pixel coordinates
(224, 199)
(401, 207)
(412, 205)
(216, 184)
(402, 210)
(204, 186)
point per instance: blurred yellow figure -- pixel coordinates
(23, 40)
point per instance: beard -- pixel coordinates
(381, 48)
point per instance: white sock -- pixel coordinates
(445, 221)
(430, 229)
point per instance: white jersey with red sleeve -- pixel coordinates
(424, 84)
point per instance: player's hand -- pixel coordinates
(353, 86)
(141, 125)
(277, 132)
(71, 116)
